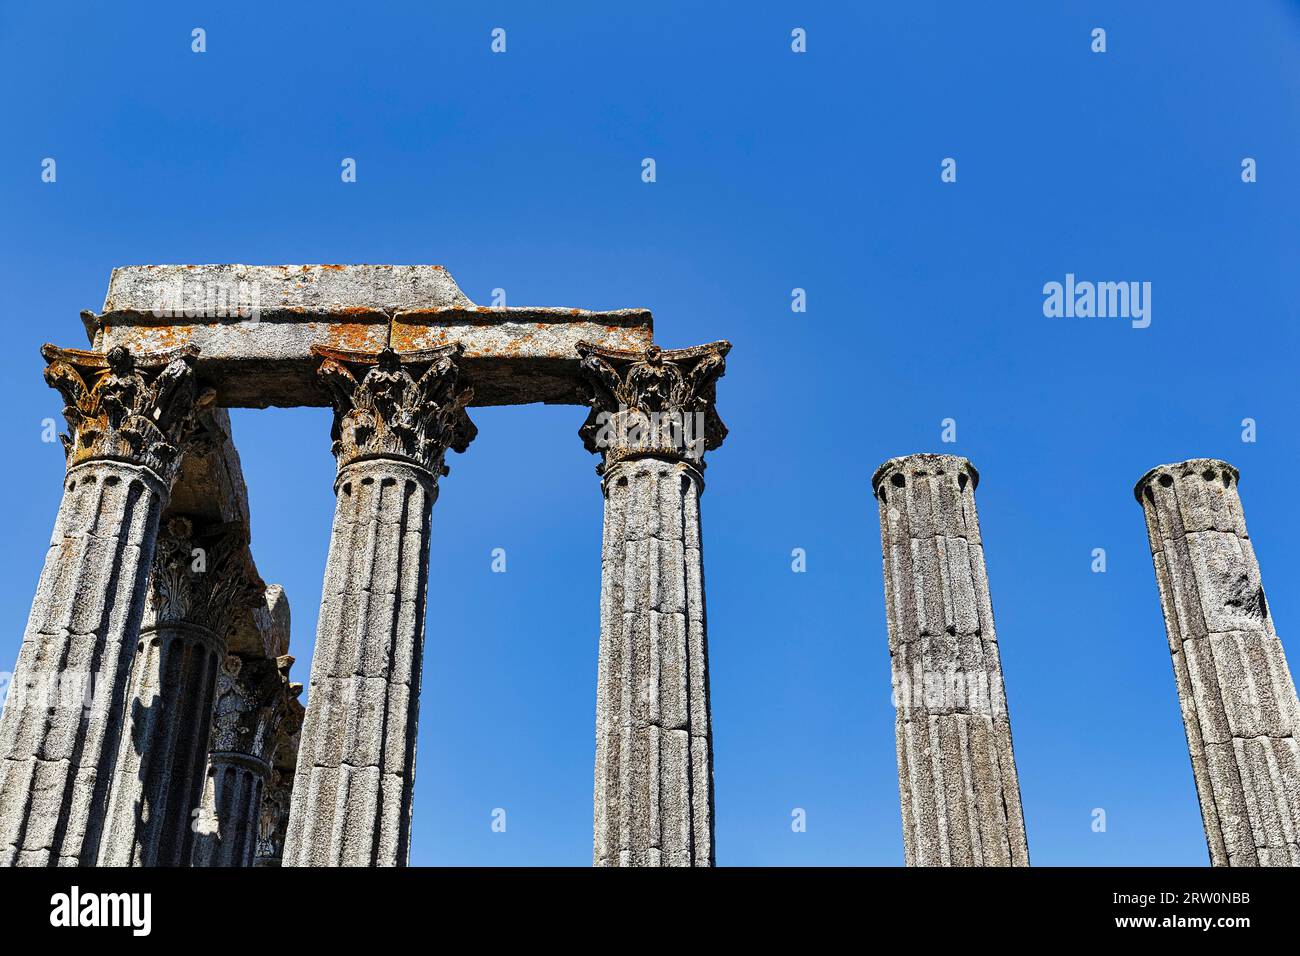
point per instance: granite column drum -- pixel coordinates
(128, 418)
(1237, 696)
(395, 417)
(652, 418)
(958, 786)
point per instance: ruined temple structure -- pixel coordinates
(152, 719)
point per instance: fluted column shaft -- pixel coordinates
(654, 752)
(273, 821)
(356, 770)
(395, 416)
(63, 721)
(1235, 690)
(159, 776)
(652, 418)
(958, 787)
(158, 784)
(232, 803)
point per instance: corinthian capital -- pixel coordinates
(408, 405)
(134, 408)
(656, 402)
(256, 710)
(201, 576)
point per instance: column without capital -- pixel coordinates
(127, 417)
(1234, 687)
(652, 418)
(957, 779)
(394, 418)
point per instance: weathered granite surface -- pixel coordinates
(958, 786)
(255, 328)
(129, 418)
(652, 418)
(1236, 692)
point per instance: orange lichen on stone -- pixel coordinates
(354, 337)
(154, 338)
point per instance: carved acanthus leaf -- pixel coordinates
(202, 575)
(409, 405)
(256, 708)
(139, 409)
(653, 402)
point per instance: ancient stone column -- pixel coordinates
(201, 577)
(1236, 693)
(956, 772)
(128, 417)
(394, 417)
(273, 823)
(255, 703)
(652, 418)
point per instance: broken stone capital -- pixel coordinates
(252, 699)
(245, 798)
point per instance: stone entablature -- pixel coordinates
(255, 328)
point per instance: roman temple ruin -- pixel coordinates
(153, 719)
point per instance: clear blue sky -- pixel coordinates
(775, 171)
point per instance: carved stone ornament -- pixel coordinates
(252, 699)
(202, 576)
(134, 408)
(273, 819)
(656, 402)
(408, 405)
